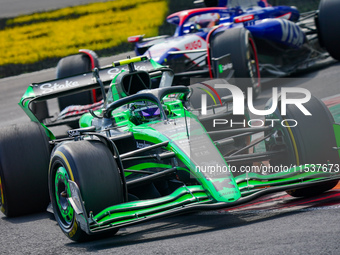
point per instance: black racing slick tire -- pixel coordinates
(91, 165)
(73, 65)
(313, 140)
(24, 159)
(239, 43)
(329, 26)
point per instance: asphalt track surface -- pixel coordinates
(274, 224)
(11, 8)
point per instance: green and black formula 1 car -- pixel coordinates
(151, 150)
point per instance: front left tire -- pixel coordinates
(92, 166)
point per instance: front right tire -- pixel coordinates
(312, 141)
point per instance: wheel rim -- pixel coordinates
(61, 193)
(2, 198)
(253, 65)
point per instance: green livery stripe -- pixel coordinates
(254, 182)
(155, 64)
(337, 135)
(134, 210)
(137, 216)
(143, 166)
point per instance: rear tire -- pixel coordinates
(314, 138)
(24, 159)
(73, 65)
(92, 166)
(329, 26)
(239, 43)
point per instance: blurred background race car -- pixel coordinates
(240, 41)
(250, 37)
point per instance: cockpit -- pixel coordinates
(140, 97)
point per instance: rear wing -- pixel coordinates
(33, 102)
(82, 82)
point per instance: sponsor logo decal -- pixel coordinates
(114, 71)
(73, 133)
(142, 144)
(222, 68)
(193, 45)
(52, 87)
(291, 33)
(74, 230)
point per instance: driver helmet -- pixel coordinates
(150, 111)
(144, 112)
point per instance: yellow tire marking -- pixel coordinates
(294, 144)
(74, 229)
(75, 225)
(2, 208)
(67, 164)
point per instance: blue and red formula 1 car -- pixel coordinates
(245, 40)
(250, 36)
